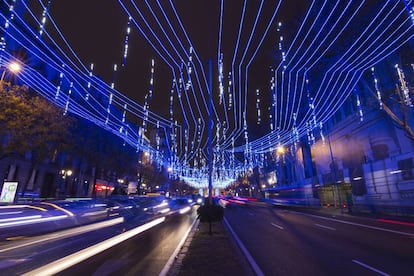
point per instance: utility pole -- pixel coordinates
(335, 173)
(210, 127)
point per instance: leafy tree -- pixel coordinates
(31, 126)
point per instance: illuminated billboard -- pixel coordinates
(8, 192)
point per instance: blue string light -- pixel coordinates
(377, 90)
(44, 18)
(293, 111)
(126, 43)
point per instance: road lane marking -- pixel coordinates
(358, 224)
(278, 226)
(370, 268)
(326, 227)
(170, 262)
(75, 258)
(246, 253)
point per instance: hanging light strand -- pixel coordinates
(377, 90)
(259, 116)
(68, 99)
(126, 43)
(229, 91)
(359, 106)
(273, 100)
(220, 77)
(111, 95)
(59, 87)
(44, 18)
(6, 27)
(89, 82)
(404, 87)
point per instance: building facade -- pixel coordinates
(364, 154)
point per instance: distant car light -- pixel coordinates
(163, 211)
(185, 210)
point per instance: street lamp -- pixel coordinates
(14, 67)
(280, 150)
(335, 174)
(63, 184)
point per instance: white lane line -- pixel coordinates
(75, 258)
(171, 260)
(278, 226)
(250, 213)
(324, 226)
(371, 268)
(246, 253)
(357, 224)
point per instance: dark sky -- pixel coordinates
(96, 31)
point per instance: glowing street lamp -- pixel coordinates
(65, 173)
(280, 150)
(64, 181)
(14, 67)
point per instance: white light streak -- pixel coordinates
(75, 258)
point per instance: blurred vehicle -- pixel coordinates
(197, 199)
(122, 206)
(47, 216)
(181, 205)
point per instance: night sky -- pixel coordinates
(96, 31)
(318, 53)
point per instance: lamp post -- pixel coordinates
(64, 175)
(335, 173)
(14, 67)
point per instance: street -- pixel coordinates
(286, 242)
(112, 246)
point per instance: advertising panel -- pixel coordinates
(8, 192)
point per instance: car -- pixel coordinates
(181, 205)
(197, 199)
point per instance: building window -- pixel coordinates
(406, 167)
(380, 151)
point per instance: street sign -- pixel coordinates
(8, 192)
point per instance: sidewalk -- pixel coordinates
(205, 254)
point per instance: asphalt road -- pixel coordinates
(286, 242)
(145, 253)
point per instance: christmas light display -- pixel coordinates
(317, 64)
(44, 17)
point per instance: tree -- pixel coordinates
(31, 126)
(34, 127)
(210, 212)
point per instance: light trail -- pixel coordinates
(64, 234)
(75, 258)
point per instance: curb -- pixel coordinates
(172, 268)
